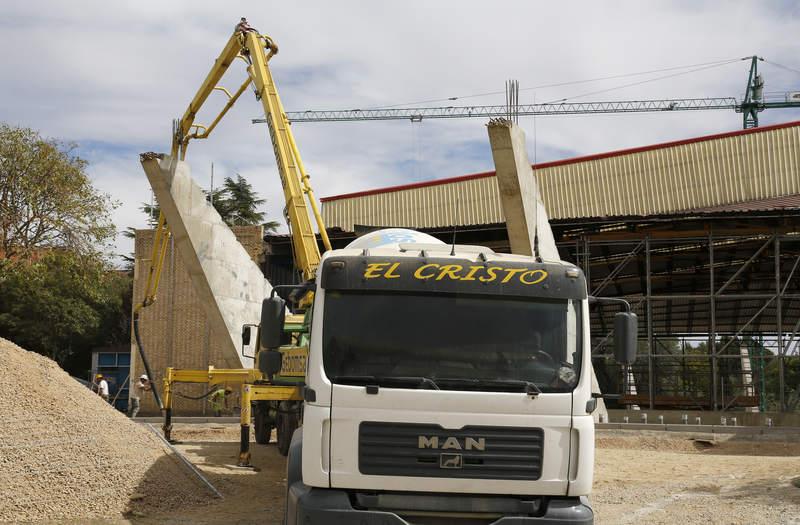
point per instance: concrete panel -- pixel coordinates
(228, 284)
(526, 217)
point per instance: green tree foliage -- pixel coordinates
(58, 294)
(236, 202)
(46, 198)
(62, 305)
(791, 371)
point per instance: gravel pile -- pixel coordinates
(67, 456)
(642, 441)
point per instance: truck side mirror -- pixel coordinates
(626, 333)
(273, 313)
(246, 335)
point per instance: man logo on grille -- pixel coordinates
(451, 443)
(451, 461)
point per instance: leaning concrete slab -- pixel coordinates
(229, 284)
(526, 217)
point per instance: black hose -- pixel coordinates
(153, 386)
(213, 389)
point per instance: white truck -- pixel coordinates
(444, 384)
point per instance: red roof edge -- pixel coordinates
(574, 160)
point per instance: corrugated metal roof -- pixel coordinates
(699, 173)
(787, 202)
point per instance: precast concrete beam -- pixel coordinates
(526, 217)
(228, 283)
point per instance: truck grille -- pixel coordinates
(402, 449)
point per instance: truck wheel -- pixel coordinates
(262, 423)
(288, 421)
(294, 474)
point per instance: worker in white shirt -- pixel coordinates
(102, 387)
(141, 386)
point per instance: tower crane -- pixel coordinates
(750, 106)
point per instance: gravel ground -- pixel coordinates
(66, 456)
(640, 478)
(669, 478)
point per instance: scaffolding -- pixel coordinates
(717, 293)
(719, 312)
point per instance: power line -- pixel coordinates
(646, 81)
(787, 68)
(567, 83)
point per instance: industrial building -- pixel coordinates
(700, 235)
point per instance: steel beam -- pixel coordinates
(650, 372)
(712, 335)
(617, 268)
(745, 265)
(779, 323)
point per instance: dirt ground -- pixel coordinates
(652, 478)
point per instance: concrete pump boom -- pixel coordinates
(170, 179)
(256, 50)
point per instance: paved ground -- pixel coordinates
(648, 478)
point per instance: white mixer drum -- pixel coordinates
(392, 238)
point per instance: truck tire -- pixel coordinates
(262, 423)
(294, 474)
(288, 421)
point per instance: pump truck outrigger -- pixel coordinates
(440, 383)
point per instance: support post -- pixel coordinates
(650, 371)
(167, 426)
(244, 421)
(712, 336)
(779, 325)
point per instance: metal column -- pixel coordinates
(712, 335)
(779, 323)
(650, 358)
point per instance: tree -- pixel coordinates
(63, 305)
(46, 198)
(791, 383)
(58, 294)
(239, 203)
(236, 202)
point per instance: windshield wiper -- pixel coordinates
(530, 388)
(419, 380)
(355, 379)
(382, 380)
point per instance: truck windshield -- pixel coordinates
(452, 342)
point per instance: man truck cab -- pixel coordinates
(445, 384)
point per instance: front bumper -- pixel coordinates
(307, 505)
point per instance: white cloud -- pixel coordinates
(116, 74)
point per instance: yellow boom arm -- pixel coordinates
(256, 50)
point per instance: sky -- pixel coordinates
(111, 76)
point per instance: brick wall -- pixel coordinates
(174, 331)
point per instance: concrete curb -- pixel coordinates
(708, 429)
